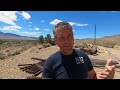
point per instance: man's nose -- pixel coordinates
(66, 40)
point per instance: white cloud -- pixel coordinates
(77, 24)
(37, 29)
(42, 21)
(30, 22)
(30, 33)
(30, 28)
(29, 25)
(8, 17)
(54, 22)
(11, 28)
(73, 30)
(26, 15)
(71, 23)
(46, 29)
(81, 24)
(25, 33)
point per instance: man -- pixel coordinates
(69, 63)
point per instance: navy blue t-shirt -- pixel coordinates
(74, 66)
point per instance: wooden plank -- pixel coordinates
(37, 58)
(96, 62)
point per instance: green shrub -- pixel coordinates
(1, 41)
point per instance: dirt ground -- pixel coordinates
(9, 67)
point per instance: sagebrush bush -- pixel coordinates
(46, 45)
(106, 44)
(2, 56)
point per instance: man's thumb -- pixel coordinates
(109, 62)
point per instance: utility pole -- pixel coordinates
(95, 35)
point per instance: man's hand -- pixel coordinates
(109, 71)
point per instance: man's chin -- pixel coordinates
(68, 51)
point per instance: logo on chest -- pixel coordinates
(79, 60)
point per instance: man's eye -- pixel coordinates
(70, 36)
(61, 38)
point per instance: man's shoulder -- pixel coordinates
(54, 56)
(53, 60)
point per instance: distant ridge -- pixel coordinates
(113, 38)
(14, 36)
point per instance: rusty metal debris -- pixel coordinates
(88, 48)
(35, 68)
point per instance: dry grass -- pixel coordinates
(12, 50)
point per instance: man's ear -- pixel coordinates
(55, 40)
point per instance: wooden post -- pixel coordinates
(95, 35)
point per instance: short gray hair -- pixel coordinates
(60, 25)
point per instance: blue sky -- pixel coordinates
(36, 23)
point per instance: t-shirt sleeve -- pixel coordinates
(88, 62)
(47, 69)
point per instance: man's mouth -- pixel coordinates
(68, 46)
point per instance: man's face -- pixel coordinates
(64, 39)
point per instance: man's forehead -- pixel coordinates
(63, 32)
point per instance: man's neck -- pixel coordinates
(66, 53)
